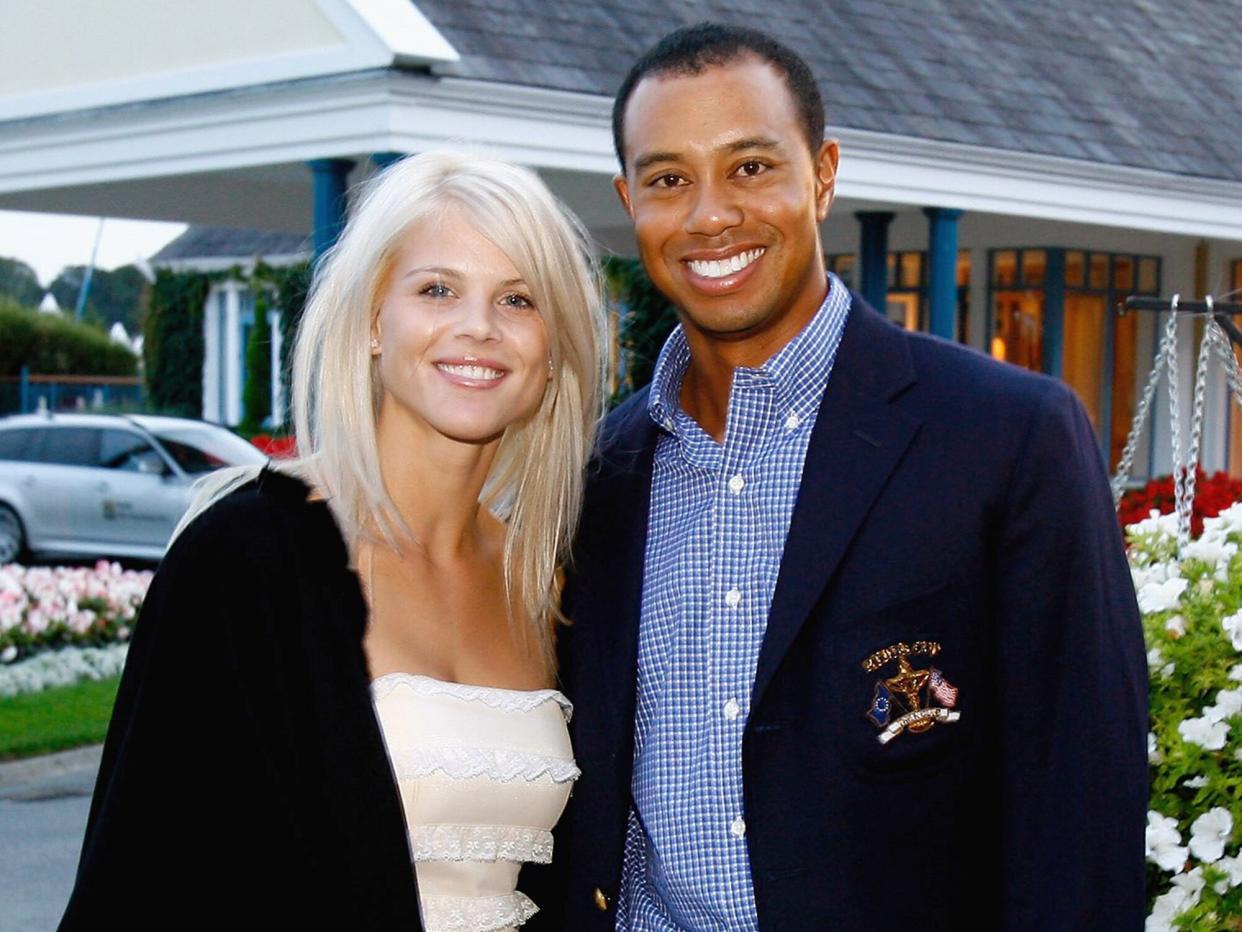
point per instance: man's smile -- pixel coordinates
(719, 268)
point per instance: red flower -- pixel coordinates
(1213, 494)
(278, 447)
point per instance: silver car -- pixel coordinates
(85, 485)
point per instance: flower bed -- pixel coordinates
(1212, 494)
(1192, 617)
(61, 667)
(44, 608)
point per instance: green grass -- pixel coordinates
(56, 719)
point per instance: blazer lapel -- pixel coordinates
(858, 439)
(610, 556)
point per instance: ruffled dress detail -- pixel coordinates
(484, 773)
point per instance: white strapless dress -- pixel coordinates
(484, 774)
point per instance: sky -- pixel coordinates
(49, 242)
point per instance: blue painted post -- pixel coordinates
(330, 177)
(873, 257)
(382, 160)
(23, 391)
(1054, 313)
(942, 270)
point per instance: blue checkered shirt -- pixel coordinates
(719, 516)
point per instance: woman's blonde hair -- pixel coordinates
(536, 480)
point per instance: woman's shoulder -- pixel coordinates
(259, 519)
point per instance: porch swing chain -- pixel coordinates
(1190, 467)
(1168, 343)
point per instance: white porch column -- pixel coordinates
(278, 393)
(232, 353)
(211, 358)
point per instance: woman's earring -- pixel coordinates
(374, 344)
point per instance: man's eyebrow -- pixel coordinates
(645, 161)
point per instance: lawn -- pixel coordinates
(56, 719)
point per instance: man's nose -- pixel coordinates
(713, 210)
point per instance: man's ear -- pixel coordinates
(623, 191)
(826, 160)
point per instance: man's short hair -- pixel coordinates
(693, 49)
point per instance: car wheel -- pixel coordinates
(12, 538)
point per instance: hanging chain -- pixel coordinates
(1140, 418)
(1190, 470)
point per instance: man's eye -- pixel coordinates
(667, 181)
(751, 168)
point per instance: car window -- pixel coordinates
(71, 446)
(202, 449)
(128, 451)
(20, 444)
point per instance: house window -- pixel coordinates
(1052, 310)
(907, 286)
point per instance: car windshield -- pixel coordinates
(202, 449)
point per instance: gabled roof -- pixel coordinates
(233, 244)
(1145, 83)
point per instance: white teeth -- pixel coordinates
(479, 373)
(719, 268)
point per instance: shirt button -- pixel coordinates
(733, 598)
(738, 827)
(737, 483)
(792, 421)
(732, 709)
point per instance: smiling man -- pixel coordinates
(855, 645)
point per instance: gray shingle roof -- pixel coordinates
(207, 242)
(1146, 83)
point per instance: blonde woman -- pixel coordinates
(347, 665)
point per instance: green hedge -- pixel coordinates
(172, 343)
(51, 344)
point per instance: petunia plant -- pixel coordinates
(1192, 615)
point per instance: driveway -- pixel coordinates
(43, 807)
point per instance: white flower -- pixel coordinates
(1155, 662)
(1210, 549)
(1208, 834)
(1161, 596)
(1168, 906)
(1195, 783)
(1153, 754)
(1155, 524)
(1233, 627)
(9, 654)
(1164, 842)
(1203, 732)
(1176, 626)
(1228, 703)
(1191, 883)
(1235, 673)
(1233, 873)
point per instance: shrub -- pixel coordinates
(647, 319)
(173, 342)
(51, 344)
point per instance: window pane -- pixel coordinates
(126, 450)
(1018, 332)
(1149, 276)
(1004, 267)
(911, 268)
(1123, 273)
(202, 449)
(71, 446)
(1075, 268)
(892, 270)
(1033, 262)
(1099, 272)
(17, 444)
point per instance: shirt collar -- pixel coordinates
(799, 370)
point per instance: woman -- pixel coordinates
(381, 608)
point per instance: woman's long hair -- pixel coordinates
(536, 481)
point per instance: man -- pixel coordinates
(854, 644)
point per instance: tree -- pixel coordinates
(646, 321)
(114, 296)
(172, 346)
(19, 282)
(257, 394)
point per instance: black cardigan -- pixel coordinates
(244, 780)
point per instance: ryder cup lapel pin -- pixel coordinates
(913, 699)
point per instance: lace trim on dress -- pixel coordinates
(476, 913)
(506, 700)
(501, 764)
(450, 842)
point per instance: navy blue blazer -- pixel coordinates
(946, 499)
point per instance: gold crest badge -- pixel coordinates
(913, 699)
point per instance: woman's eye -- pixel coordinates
(436, 290)
(517, 300)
